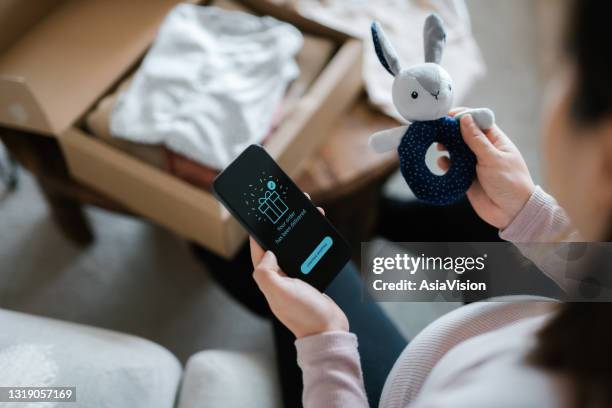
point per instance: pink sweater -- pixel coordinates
(472, 357)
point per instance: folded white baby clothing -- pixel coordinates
(402, 21)
(210, 84)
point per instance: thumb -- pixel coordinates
(476, 140)
(266, 273)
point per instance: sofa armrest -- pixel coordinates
(229, 379)
(108, 369)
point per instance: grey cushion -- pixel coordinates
(230, 379)
(109, 369)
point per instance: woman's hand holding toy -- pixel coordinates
(300, 307)
(503, 183)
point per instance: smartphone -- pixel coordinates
(281, 218)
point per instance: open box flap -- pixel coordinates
(59, 67)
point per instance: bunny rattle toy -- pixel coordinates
(423, 95)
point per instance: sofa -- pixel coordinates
(111, 369)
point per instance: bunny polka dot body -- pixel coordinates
(423, 95)
(434, 189)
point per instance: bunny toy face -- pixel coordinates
(421, 92)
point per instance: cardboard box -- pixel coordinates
(68, 55)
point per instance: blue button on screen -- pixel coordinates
(316, 255)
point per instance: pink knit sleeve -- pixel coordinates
(540, 223)
(331, 370)
(540, 220)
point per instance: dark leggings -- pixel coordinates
(380, 343)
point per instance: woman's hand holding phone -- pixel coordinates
(503, 183)
(299, 306)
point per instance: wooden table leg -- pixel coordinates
(43, 157)
(68, 215)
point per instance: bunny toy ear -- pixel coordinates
(384, 50)
(435, 38)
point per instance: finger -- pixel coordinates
(475, 139)
(440, 147)
(455, 111)
(266, 273)
(476, 194)
(483, 205)
(444, 163)
(322, 211)
(498, 137)
(257, 251)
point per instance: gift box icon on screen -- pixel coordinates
(273, 206)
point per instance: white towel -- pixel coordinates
(210, 84)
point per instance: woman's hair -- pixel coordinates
(587, 39)
(577, 342)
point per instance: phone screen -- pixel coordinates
(281, 218)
